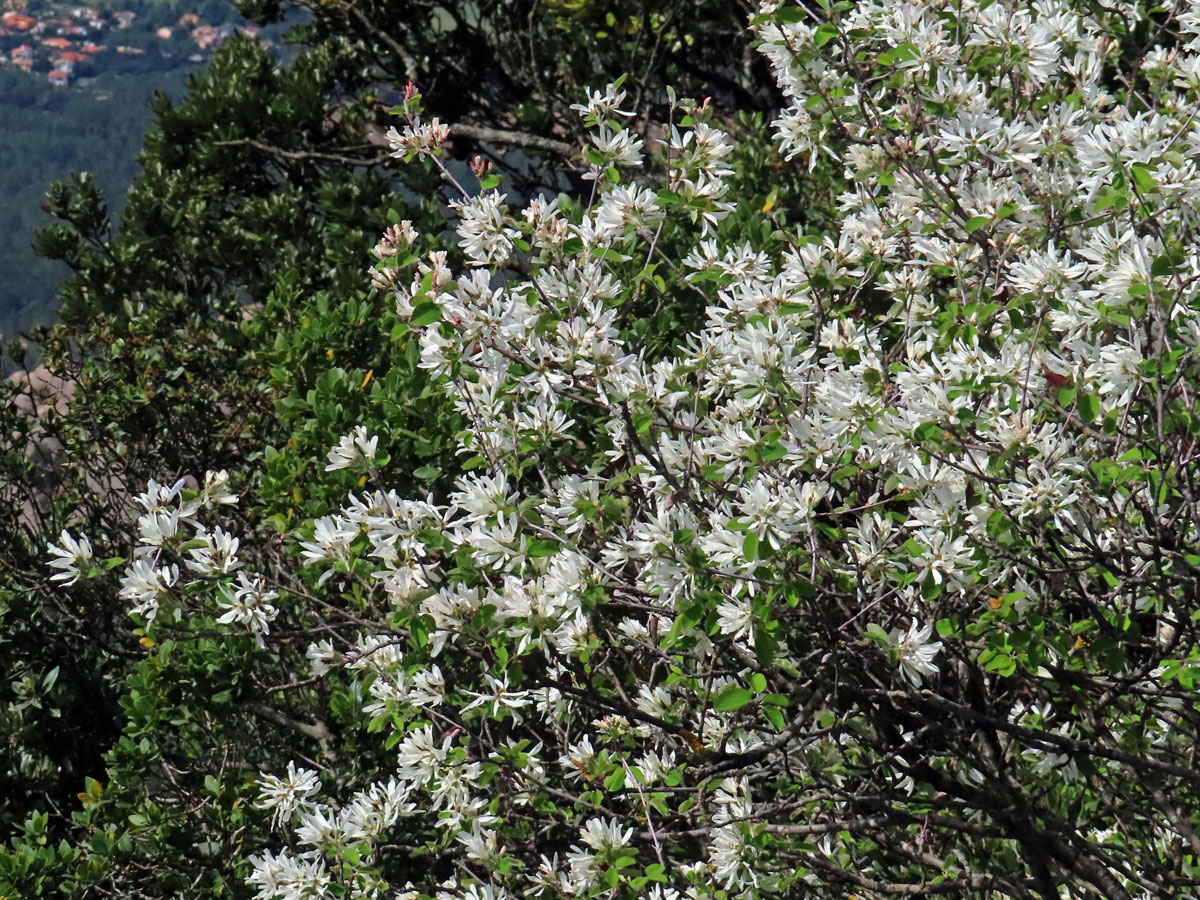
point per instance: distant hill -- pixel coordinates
(95, 123)
(48, 133)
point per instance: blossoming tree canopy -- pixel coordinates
(883, 583)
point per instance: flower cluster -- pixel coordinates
(702, 657)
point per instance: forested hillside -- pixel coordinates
(94, 124)
(49, 133)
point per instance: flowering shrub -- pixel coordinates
(883, 583)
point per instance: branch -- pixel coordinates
(1047, 738)
(513, 139)
(318, 731)
(304, 155)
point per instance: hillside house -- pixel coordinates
(17, 22)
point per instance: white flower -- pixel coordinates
(498, 696)
(731, 857)
(331, 542)
(158, 526)
(316, 829)
(631, 205)
(418, 138)
(286, 795)
(216, 489)
(321, 657)
(420, 760)
(250, 604)
(143, 584)
(353, 449)
(915, 652)
(487, 238)
(605, 836)
(395, 238)
(735, 617)
(578, 758)
(482, 845)
(428, 687)
(73, 556)
(284, 877)
(159, 496)
(619, 148)
(218, 556)
(602, 104)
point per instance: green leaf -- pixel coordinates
(790, 15)
(1144, 180)
(878, 635)
(750, 547)
(615, 780)
(976, 222)
(1089, 407)
(825, 33)
(733, 697)
(540, 547)
(426, 313)
(758, 681)
(930, 589)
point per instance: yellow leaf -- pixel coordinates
(146, 642)
(997, 602)
(366, 380)
(1081, 643)
(770, 204)
(329, 354)
(694, 742)
(88, 798)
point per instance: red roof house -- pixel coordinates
(17, 22)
